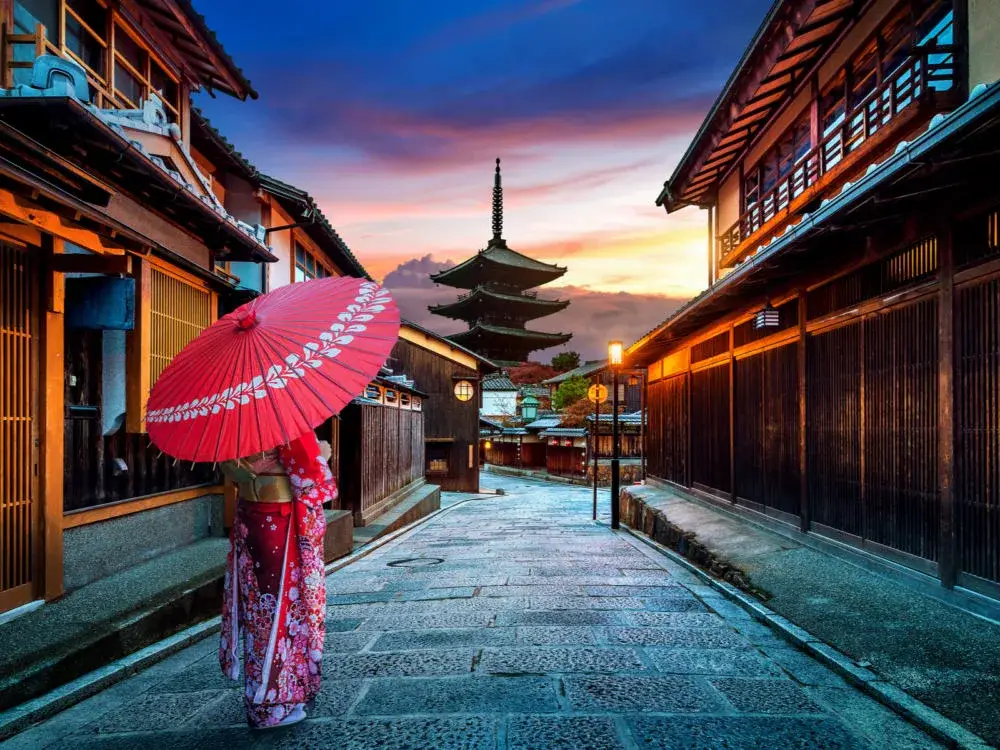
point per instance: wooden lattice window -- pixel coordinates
(123, 70)
(172, 309)
(18, 415)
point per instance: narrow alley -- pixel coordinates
(511, 621)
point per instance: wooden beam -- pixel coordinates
(52, 429)
(804, 512)
(22, 233)
(948, 553)
(22, 210)
(87, 516)
(732, 417)
(221, 68)
(105, 264)
(137, 350)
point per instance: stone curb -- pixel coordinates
(930, 721)
(21, 717)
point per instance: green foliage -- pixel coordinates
(570, 391)
(566, 361)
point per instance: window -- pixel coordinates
(464, 390)
(122, 70)
(308, 266)
(87, 35)
(793, 146)
(833, 104)
(175, 310)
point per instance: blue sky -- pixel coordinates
(392, 114)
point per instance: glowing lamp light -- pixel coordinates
(616, 353)
(488, 444)
(464, 390)
(768, 317)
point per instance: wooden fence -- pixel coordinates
(381, 452)
(867, 468)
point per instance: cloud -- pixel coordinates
(594, 318)
(415, 273)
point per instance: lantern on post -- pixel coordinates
(529, 408)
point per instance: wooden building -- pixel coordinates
(840, 374)
(451, 377)
(381, 447)
(566, 451)
(597, 371)
(110, 230)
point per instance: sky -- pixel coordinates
(391, 114)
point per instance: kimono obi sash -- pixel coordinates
(267, 488)
(260, 479)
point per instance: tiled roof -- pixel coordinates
(517, 332)
(564, 432)
(497, 252)
(584, 370)
(633, 418)
(498, 383)
(488, 366)
(222, 145)
(234, 70)
(544, 423)
(292, 194)
(983, 100)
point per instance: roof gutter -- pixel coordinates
(905, 154)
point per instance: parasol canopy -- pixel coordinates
(273, 369)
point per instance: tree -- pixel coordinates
(576, 414)
(530, 373)
(570, 391)
(566, 361)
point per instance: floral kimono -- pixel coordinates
(275, 592)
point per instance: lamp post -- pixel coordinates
(615, 352)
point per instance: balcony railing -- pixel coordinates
(914, 83)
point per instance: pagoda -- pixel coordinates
(498, 303)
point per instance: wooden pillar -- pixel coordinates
(960, 33)
(711, 247)
(52, 429)
(804, 518)
(137, 350)
(732, 417)
(948, 556)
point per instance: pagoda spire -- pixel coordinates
(497, 205)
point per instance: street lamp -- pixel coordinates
(615, 353)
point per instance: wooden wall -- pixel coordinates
(893, 371)
(445, 416)
(381, 451)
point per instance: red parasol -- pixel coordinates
(273, 369)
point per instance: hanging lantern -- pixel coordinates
(768, 317)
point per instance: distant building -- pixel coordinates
(499, 397)
(498, 305)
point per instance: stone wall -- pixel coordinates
(101, 549)
(640, 516)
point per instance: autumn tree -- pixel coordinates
(576, 414)
(566, 361)
(570, 391)
(530, 373)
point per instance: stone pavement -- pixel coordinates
(511, 622)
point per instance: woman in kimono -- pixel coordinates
(275, 592)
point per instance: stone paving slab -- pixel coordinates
(539, 629)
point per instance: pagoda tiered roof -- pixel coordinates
(499, 264)
(499, 304)
(477, 304)
(485, 337)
